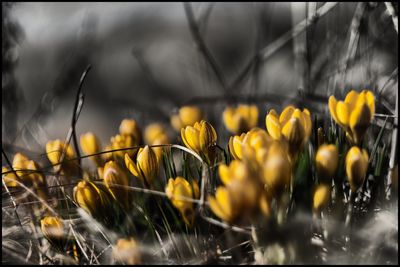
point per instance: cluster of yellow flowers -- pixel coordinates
(252, 184)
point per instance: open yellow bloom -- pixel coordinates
(114, 175)
(130, 127)
(146, 166)
(326, 159)
(178, 188)
(356, 167)
(201, 138)
(187, 116)
(91, 198)
(240, 119)
(52, 228)
(292, 124)
(127, 251)
(354, 114)
(54, 150)
(90, 144)
(123, 141)
(321, 196)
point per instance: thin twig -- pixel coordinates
(201, 45)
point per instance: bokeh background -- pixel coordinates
(145, 62)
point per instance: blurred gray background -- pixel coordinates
(145, 63)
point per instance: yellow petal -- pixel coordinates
(130, 164)
(229, 121)
(286, 114)
(360, 120)
(189, 115)
(176, 122)
(351, 99)
(223, 171)
(327, 158)
(192, 138)
(342, 112)
(273, 126)
(332, 108)
(321, 196)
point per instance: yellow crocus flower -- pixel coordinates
(146, 166)
(240, 119)
(127, 251)
(130, 127)
(52, 228)
(356, 167)
(178, 188)
(224, 205)
(123, 141)
(235, 146)
(9, 178)
(256, 144)
(90, 144)
(91, 198)
(277, 171)
(354, 114)
(292, 124)
(114, 175)
(201, 138)
(54, 150)
(153, 132)
(321, 197)
(187, 116)
(326, 160)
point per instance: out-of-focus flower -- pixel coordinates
(277, 170)
(130, 127)
(224, 205)
(153, 132)
(356, 167)
(160, 140)
(9, 178)
(321, 196)
(127, 251)
(201, 138)
(235, 146)
(114, 175)
(123, 141)
(354, 114)
(326, 159)
(52, 228)
(54, 151)
(107, 156)
(240, 119)
(91, 198)
(187, 116)
(90, 144)
(178, 188)
(255, 145)
(292, 124)
(146, 166)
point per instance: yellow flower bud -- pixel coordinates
(130, 127)
(354, 114)
(114, 175)
(326, 159)
(127, 251)
(321, 196)
(153, 132)
(240, 119)
(235, 146)
(356, 167)
(52, 228)
(123, 141)
(187, 116)
(90, 144)
(178, 188)
(146, 166)
(292, 125)
(9, 178)
(277, 172)
(201, 138)
(91, 198)
(54, 151)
